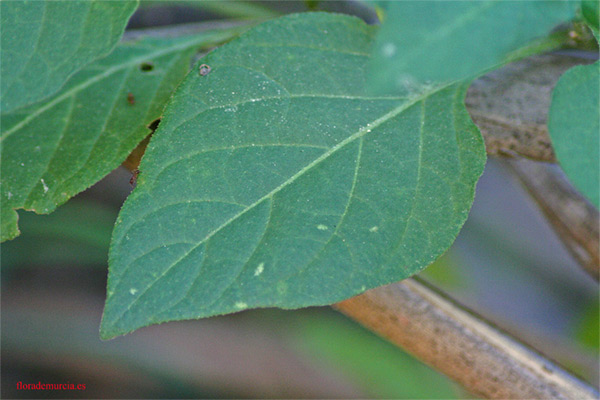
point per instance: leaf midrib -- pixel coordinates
(171, 49)
(360, 133)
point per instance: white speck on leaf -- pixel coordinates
(44, 185)
(259, 269)
(406, 81)
(374, 229)
(363, 288)
(37, 148)
(133, 291)
(388, 49)
(322, 227)
(240, 305)
(9, 195)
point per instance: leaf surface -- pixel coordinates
(44, 42)
(450, 40)
(274, 180)
(573, 124)
(59, 147)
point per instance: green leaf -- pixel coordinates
(45, 42)
(590, 9)
(587, 329)
(446, 41)
(574, 128)
(276, 181)
(57, 148)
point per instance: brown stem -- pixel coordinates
(510, 105)
(440, 333)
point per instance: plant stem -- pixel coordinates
(510, 105)
(462, 346)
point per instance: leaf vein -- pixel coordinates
(357, 135)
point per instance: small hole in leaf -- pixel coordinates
(146, 66)
(154, 124)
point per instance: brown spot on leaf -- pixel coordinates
(146, 66)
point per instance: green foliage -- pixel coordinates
(229, 8)
(587, 330)
(381, 368)
(275, 180)
(45, 42)
(446, 41)
(59, 147)
(574, 127)
(277, 177)
(76, 234)
(590, 10)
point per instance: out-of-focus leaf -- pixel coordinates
(59, 147)
(377, 366)
(451, 40)
(45, 42)
(226, 8)
(587, 330)
(78, 233)
(445, 273)
(574, 127)
(275, 180)
(591, 14)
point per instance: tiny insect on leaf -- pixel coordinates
(134, 176)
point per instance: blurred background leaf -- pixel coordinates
(417, 37)
(78, 233)
(377, 366)
(37, 57)
(587, 329)
(590, 10)
(223, 8)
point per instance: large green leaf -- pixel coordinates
(276, 181)
(573, 124)
(44, 42)
(57, 148)
(449, 40)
